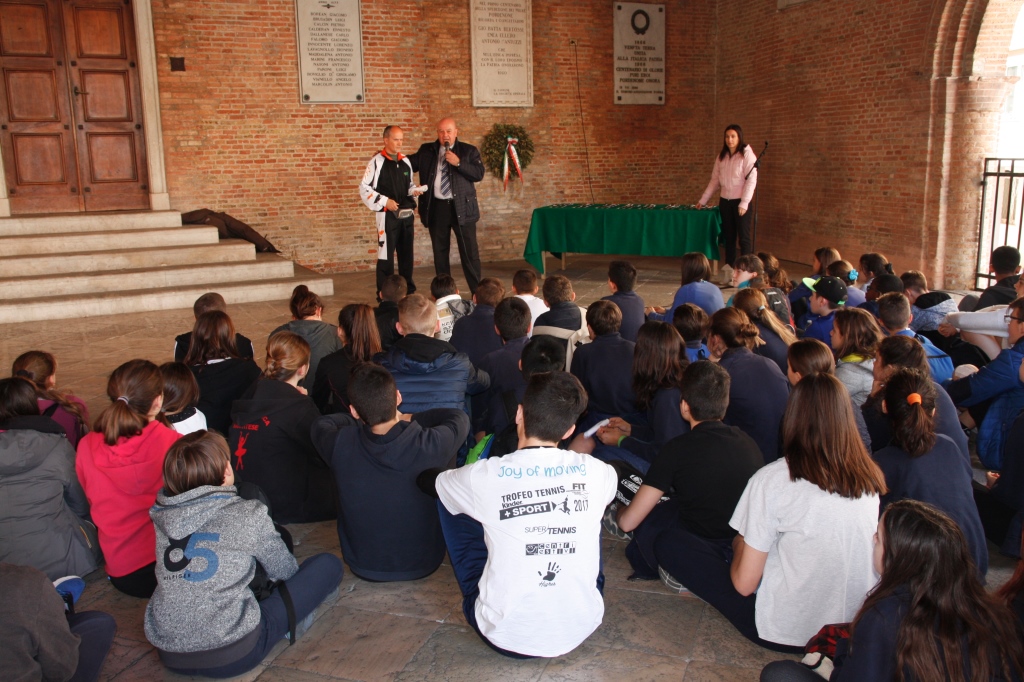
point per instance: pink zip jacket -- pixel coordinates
(729, 173)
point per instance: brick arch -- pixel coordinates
(965, 52)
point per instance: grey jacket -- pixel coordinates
(857, 377)
(322, 339)
(41, 501)
(207, 543)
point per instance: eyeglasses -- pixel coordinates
(1007, 318)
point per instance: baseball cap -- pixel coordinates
(830, 288)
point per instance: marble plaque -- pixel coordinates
(502, 33)
(330, 51)
(639, 53)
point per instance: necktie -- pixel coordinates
(446, 178)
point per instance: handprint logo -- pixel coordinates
(553, 570)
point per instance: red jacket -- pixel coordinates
(121, 483)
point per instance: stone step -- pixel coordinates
(136, 300)
(266, 266)
(65, 242)
(145, 256)
(62, 223)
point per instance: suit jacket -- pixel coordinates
(469, 171)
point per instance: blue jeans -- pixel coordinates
(317, 577)
(468, 553)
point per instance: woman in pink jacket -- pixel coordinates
(735, 177)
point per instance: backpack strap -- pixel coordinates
(289, 607)
(51, 410)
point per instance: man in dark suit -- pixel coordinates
(449, 167)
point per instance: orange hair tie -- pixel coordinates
(914, 399)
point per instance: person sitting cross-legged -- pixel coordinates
(707, 468)
(388, 529)
(527, 594)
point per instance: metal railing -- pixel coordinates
(1002, 212)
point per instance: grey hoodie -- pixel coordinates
(207, 543)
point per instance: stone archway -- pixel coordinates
(966, 66)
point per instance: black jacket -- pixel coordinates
(474, 334)
(220, 384)
(469, 170)
(271, 446)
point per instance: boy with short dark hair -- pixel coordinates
(475, 334)
(512, 321)
(532, 594)
(391, 292)
(524, 286)
(928, 308)
(707, 468)
(894, 313)
(605, 365)
(387, 528)
(204, 304)
(621, 281)
(1004, 264)
(560, 299)
(692, 323)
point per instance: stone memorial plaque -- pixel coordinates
(639, 53)
(502, 33)
(330, 51)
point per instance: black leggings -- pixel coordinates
(733, 225)
(140, 583)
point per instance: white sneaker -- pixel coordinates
(670, 582)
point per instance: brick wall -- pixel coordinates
(876, 143)
(237, 139)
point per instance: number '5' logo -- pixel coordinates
(189, 550)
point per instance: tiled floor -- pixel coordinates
(409, 631)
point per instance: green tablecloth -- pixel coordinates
(627, 229)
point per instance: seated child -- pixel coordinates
(799, 296)
(562, 310)
(388, 529)
(605, 365)
(928, 308)
(43, 510)
(270, 437)
(203, 618)
(391, 292)
(181, 394)
(695, 287)
(895, 317)
(475, 334)
(621, 280)
(450, 305)
(429, 372)
(524, 286)
(204, 304)
(119, 466)
(512, 320)
(40, 368)
(692, 323)
(705, 470)
(827, 294)
(43, 640)
(531, 603)
(843, 271)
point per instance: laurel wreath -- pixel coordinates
(495, 143)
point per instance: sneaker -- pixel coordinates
(670, 582)
(70, 588)
(611, 525)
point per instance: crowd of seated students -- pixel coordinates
(773, 465)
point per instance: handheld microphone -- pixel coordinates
(447, 148)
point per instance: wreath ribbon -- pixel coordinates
(511, 153)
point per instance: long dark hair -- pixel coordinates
(821, 443)
(774, 274)
(952, 622)
(739, 148)
(304, 303)
(695, 266)
(875, 264)
(659, 361)
(213, 338)
(826, 256)
(362, 336)
(860, 330)
(38, 366)
(17, 398)
(735, 329)
(910, 403)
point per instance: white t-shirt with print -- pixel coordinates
(541, 510)
(819, 546)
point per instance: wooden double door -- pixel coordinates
(71, 110)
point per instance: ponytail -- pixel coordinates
(910, 403)
(735, 329)
(754, 303)
(287, 352)
(132, 388)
